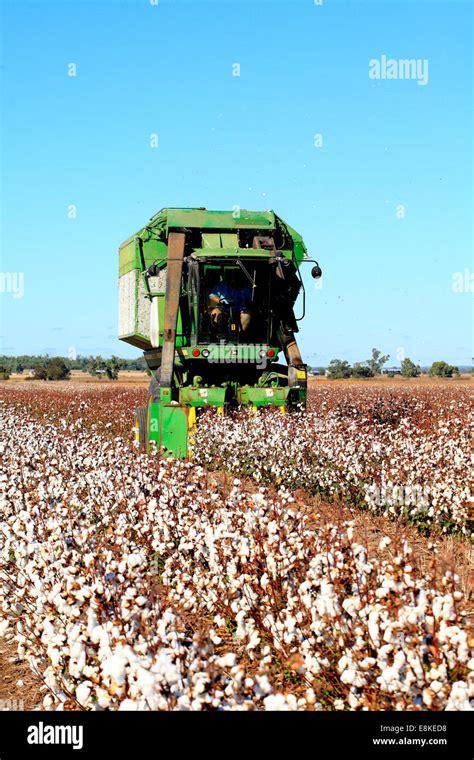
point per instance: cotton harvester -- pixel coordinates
(208, 296)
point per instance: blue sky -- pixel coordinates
(385, 204)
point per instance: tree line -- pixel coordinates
(44, 367)
(339, 369)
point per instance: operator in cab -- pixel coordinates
(227, 295)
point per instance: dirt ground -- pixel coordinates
(397, 381)
(20, 688)
(137, 377)
(132, 377)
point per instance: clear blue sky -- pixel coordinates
(248, 140)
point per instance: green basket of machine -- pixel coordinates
(208, 296)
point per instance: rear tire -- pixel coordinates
(141, 427)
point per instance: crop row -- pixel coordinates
(136, 583)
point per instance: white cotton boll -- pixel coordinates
(115, 668)
(75, 633)
(348, 676)
(95, 634)
(254, 640)
(459, 697)
(241, 628)
(264, 580)
(104, 699)
(214, 637)
(463, 651)
(166, 668)
(78, 659)
(353, 700)
(48, 702)
(129, 705)
(386, 541)
(427, 697)
(3, 627)
(388, 680)
(412, 617)
(183, 703)
(310, 697)
(276, 702)
(54, 655)
(134, 560)
(343, 663)
(312, 664)
(227, 660)
(373, 627)
(351, 605)
(83, 693)
(145, 682)
(367, 663)
(262, 686)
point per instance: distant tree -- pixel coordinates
(96, 365)
(112, 368)
(92, 366)
(361, 369)
(39, 372)
(57, 369)
(443, 369)
(18, 367)
(377, 361)
(409, 368)
(338, 369)
(4, 372)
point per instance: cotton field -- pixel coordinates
(131, 583)
(405, 453)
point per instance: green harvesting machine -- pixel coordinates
(209, 297)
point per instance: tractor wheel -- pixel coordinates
(141, 427)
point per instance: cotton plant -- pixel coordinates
(136, 583)
(406, 455)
